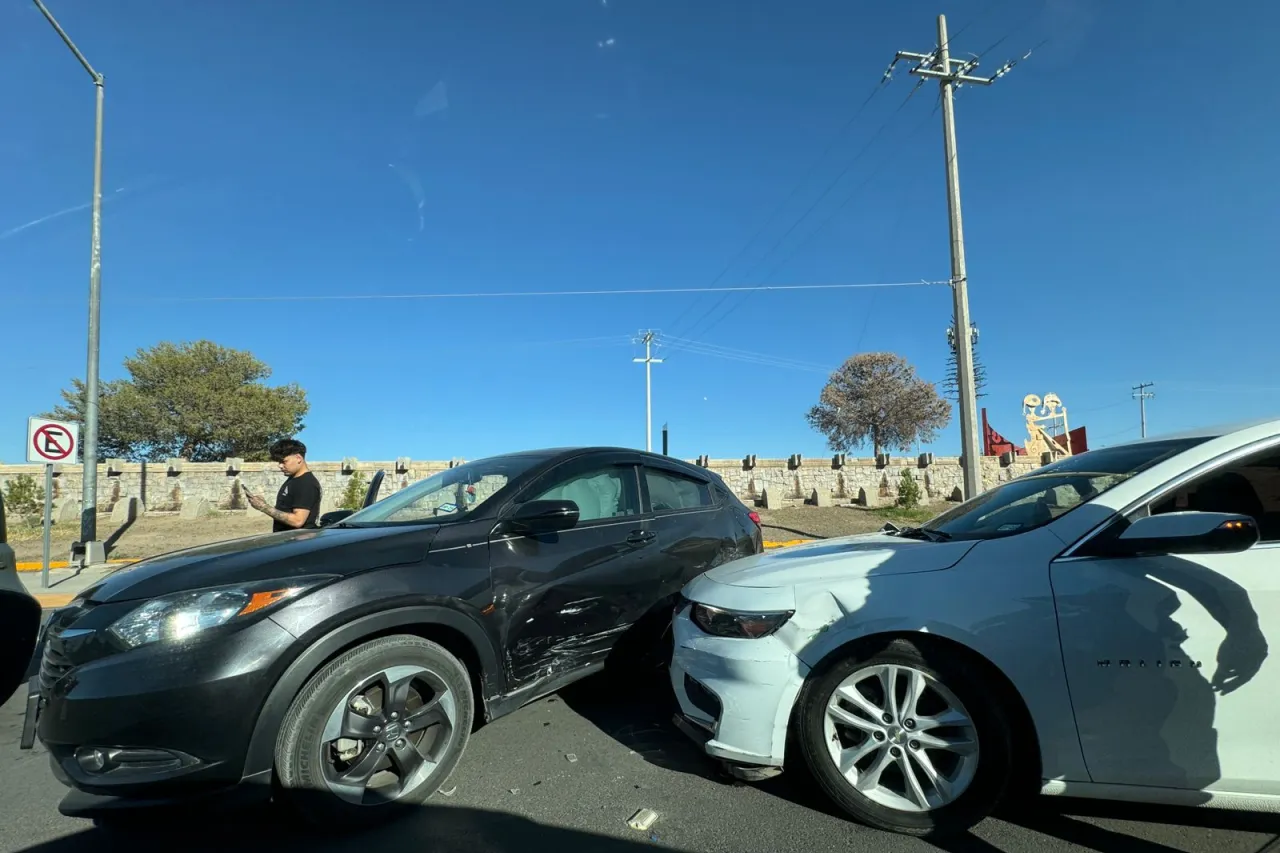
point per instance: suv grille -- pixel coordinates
(54, 662)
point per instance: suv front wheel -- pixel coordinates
(374, 732)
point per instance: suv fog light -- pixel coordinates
(92, 759)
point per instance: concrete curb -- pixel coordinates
(54, 599)
(787, 544)
(63, 564)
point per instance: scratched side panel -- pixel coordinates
(565, 598)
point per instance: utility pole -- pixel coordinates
(93, 551)
(950, 74)
(1142, 395)
(647, 339)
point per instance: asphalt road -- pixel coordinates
(518, 790)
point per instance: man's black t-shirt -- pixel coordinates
(301, 492)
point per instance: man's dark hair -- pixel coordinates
(287, 447)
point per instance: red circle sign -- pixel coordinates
(53, 442)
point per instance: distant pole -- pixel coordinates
(1142, 395)
(89, 451)
(648, 361)
(664, 441)
(951, 73)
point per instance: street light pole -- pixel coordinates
(89, 450)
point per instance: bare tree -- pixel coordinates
(876, 398)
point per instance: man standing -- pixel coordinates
(298, 501)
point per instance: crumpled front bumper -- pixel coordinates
(735, 695)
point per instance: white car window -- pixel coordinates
(1250, 487)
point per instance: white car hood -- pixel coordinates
(777, 577)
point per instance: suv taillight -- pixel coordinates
(754, 516)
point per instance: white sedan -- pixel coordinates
(1096, 629)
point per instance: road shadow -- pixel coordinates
(272, 829)
(109, 544)
(1062, 818)
(635, 708)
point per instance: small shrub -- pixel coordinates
(23, 496)
(908, 491)
(353, 494)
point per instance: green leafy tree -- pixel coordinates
(197, 400)
(353, 494)
(876, 398)
(908, 490)
(23, 496)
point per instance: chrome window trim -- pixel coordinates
(1222, 460)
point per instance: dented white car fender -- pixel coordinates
(846, 589)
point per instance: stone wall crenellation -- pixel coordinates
(178, 485)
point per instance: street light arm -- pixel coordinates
(97, 78)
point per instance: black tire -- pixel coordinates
(992, 726)
(301, 758)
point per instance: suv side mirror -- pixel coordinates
(1184, 533)
(331, 518)
(536, 517)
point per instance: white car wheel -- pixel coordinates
(907, 741)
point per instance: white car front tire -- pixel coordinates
(908, 738)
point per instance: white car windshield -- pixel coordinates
(447, 495)
(1033, 500)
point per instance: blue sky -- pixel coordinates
(1119, 193)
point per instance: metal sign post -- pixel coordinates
(48, 522)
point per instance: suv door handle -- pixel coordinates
(641, 537)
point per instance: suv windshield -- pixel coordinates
(1036, 499)
(447, 495)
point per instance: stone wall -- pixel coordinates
(199, 487)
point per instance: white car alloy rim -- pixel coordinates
(901, 738)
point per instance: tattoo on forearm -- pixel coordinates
(278, 515)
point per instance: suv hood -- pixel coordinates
(295, 553)
(826, 563)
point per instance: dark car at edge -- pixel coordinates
(19, 618)
(341, 669)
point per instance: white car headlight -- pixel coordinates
(734, 623)
(183, 614)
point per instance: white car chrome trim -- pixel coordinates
(1169, 486)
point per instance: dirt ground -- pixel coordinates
(151, 534)
(158, 533)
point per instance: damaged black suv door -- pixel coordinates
(568, 595)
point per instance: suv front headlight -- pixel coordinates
(183, 614)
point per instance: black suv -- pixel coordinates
(344, 666)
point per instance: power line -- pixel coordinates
(510, 294)
(809, 210)
(747, 356)
(885, 78)
(853, 193)
(795, 189)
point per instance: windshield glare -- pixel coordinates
(1036, 499)
(446, 495)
